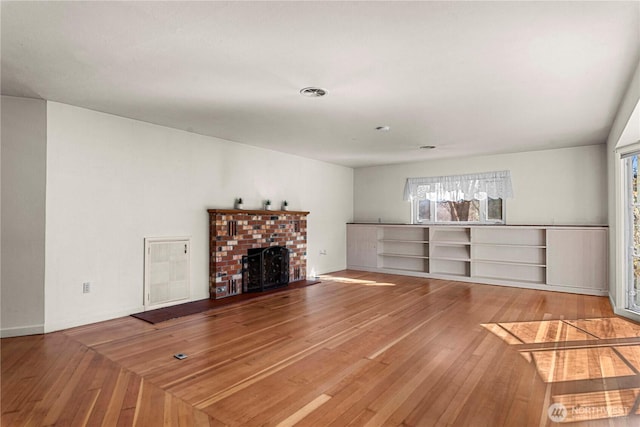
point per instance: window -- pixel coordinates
(633, 232)
(483, 210)
(473, 198)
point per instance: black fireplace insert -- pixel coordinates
(265, 268)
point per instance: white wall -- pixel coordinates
(563, 186)
(24, 146)
(112, 181)
(624, 133)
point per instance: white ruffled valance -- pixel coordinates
(495, 185)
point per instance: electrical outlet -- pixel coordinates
(86, 287)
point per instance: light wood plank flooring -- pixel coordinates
(361, 349)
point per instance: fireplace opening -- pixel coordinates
(265, 268)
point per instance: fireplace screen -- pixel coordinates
(265, 268)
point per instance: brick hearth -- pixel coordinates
(233, 232)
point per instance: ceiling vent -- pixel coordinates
(313, 92)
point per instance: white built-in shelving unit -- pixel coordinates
(569, 259)
(450, 251)
(512, 254)
(404, 248)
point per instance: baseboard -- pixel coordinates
(72, 323)
(20, 331)
(623, 312)
(612, 303)
(486, 281)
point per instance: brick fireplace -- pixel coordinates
(233, 232)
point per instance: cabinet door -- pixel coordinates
(577, 258)
(362, 246)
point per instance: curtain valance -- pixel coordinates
(496, 185)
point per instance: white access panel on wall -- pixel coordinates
(166, 271)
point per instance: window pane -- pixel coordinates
(633, 230)
(458, 211)
(494, 209)
(424, 210)
(636, 281)
(634, 179)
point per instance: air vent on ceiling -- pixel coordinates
(313, 92)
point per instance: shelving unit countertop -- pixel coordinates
(483, 225)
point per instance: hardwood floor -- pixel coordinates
(359, 348)
(54, 380)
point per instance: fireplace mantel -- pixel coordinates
(232, 232)
(256, 212)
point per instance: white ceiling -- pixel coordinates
(469, 77)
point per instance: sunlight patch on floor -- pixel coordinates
(607, 328)
(545, 331)
(578, 355)
(351, 281)
(580, 364)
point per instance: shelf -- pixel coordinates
(510, 271)
(415, 270)
(509, 236)
(450, 252)
(404, 255)
(416, 263)
(256, 212)
(449, 243)
(450, 266)
(527, 264)
(451, 274)
(407, 247)
(444, 258)
(404, 234)
(502, 279)
(510, 254)
(508, 245)
(450, 235)
(403, 241)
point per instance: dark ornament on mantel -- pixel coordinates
(256, 212)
